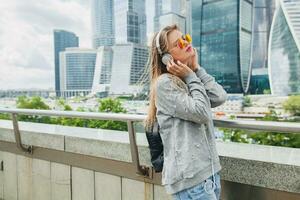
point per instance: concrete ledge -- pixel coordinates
(271, 167)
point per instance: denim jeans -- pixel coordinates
(201, 191)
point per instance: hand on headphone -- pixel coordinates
(181, 70)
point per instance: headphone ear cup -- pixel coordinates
(166, 58)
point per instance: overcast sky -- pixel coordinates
(26, 38)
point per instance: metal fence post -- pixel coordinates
(141, 170)
(20, 146)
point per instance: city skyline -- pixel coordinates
(24, 66)
(31, 24)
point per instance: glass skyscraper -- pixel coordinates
(284, 49)
(62, 40)
(263, 15)
(77, 68)
(130, 21)
(263, 11)
(103, 23)
(259, 83)
(222, 32)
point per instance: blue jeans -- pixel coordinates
(201, 191)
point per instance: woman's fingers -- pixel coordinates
(181, 64)
(171, 67)
(178, 69)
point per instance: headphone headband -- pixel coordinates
(157, 42)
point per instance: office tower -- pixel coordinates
(77, 66)
(128, 68)
(168, 12)
(292, 8)
(263, 11)
(259, 83)
(103, 70)
(62, 40)
(130, 21)
(222, 31)
(103, 29)
(284, 49)
(263, 15)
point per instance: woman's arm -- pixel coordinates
(215, 92)
(177, 102)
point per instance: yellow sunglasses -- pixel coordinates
(180, 42)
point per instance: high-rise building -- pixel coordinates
(62, 40)
(222, 31)
(259, 83)
(263, 16)
(263, 11)
(103, 70)
(130, 21)
(168, 12)
(77, 67)
(103, 23)
(284, 49)
(292, 8)
(128, 68)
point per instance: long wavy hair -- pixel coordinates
(156, 68)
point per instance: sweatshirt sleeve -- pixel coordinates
(215, 92)
(178, 103)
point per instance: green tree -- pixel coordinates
(34, 102)
(247, 101)
(292, 105)
(109, 105)
(61, 103)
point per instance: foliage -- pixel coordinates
(35, 102)
(4, 116)
(107, 105)
(267, 91)
(292, 105)
(32, 103)
(111, 106)
(271, 116)
(62, 105)
(265, 138)
(247, 101)
(130, 97)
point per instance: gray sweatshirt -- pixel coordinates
(187, 130)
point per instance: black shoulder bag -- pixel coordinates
(156, 147)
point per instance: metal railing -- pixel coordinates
(130, 119)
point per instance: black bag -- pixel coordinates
(156, 147)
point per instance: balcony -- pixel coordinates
(43, 161)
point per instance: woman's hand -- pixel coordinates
(181, 70)
(194, 60)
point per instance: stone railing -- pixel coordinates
(83, 163)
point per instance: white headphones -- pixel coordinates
(166, 57)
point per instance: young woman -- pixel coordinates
(181, 97)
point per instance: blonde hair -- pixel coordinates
(156, 68)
